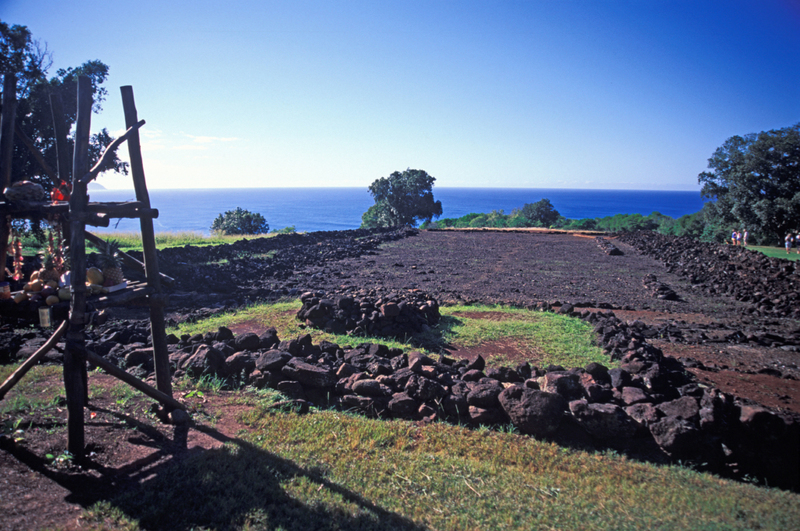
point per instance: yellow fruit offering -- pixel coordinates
(64, 294)
(94, 276)
(34, 275)
(35, 286)
(52, 299)
(19, 297)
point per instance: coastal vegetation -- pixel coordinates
(240, 221)
(402, 200)
(752, 184)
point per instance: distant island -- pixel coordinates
(95, 186)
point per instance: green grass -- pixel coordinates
(546, 337)
(330, 470)
(133, 240)
(28, 395)
(776, 252)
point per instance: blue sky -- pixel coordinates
(608, 94)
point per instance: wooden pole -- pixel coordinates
(157, 327)
(60, 129)
(75, 377)
(133, 381)
(23, 369)
(7, 120)
(62, 149)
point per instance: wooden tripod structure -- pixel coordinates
(79, 212)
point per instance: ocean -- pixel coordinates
(318, 209)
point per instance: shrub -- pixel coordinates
(286, 230)
(240, 221)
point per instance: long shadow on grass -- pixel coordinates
(433, 340)
(235, 486)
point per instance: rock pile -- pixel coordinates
(607, 247)
(771, 286)
(396, 315)
(659, 290)
(648, 405)
(649, 401)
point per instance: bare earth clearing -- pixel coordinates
(518, 268)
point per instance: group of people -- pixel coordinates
(792, 239)
(739, 238)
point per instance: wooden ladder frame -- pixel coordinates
(80, 212)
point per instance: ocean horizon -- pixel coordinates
(328, 208)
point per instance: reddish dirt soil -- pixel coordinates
(520, 268)
(127, 444)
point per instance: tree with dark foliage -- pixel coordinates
(401, 200)
(541, 213)
(29, 61)
(240, 221)
(754, 182)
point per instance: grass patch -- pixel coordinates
(776, 252)
(330, 470)
(281, 315)
(133, 240)
(549, 338)
(30, 394)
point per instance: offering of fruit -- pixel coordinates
(64, 293)
(34, 286)
(52, 299)
(110, 262)
(94, 276)
(48, 271)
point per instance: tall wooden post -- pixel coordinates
(60, 129)
(7, 120)
(62, 149)
(157, 328)
(9, 116)
(75, 377)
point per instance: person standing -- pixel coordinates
(788, 243)
(744, 237)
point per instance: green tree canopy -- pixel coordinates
(240, 221)
(541, 213)
(402, 199)
(29, 61)
(755, 182)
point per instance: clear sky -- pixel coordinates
(615, 94)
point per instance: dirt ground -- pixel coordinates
(128, 444)
(522, 268)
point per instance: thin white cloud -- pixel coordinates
(190, 147)
(211, 139)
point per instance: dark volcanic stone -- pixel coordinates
(533, 412)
